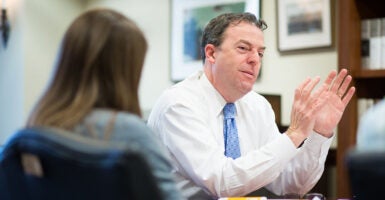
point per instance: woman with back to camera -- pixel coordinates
(94, 90)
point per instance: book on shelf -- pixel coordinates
(373, 43)
(365, 50)
(383, 43)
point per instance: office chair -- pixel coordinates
(366, 171)
(46, 164)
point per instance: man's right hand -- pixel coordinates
(305, 108)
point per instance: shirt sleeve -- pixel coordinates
(306, 168)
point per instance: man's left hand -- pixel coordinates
(338, 97)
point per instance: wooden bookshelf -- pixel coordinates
(366, 73)
(369, 83)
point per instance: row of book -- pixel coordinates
(373, 43)
(364, 104)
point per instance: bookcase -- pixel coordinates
(368, 83)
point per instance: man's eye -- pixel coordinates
(243, 48)
(260, 54)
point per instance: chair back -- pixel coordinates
(46, 164)
(366, 171)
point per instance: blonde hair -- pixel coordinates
(99, 66)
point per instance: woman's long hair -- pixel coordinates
(99, 66)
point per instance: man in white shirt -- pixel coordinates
(188, 118)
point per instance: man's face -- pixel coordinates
(236, 62)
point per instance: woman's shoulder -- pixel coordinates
(126, 118)
(121, 124)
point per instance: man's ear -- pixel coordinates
(210, 52)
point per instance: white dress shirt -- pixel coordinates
(189, 121)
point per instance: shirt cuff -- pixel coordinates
(316, 140)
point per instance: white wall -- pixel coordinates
(11, 74)
(45, 23)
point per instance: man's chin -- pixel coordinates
(247, 87)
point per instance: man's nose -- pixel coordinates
(254, 58)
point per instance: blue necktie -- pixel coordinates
(230, 132)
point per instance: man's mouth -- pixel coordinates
(248, 73)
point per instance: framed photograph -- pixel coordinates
(189, 17)
(303, 24)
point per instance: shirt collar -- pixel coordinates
(212, 94)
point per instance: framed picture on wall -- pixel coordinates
(303, 24)
(189, 17)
